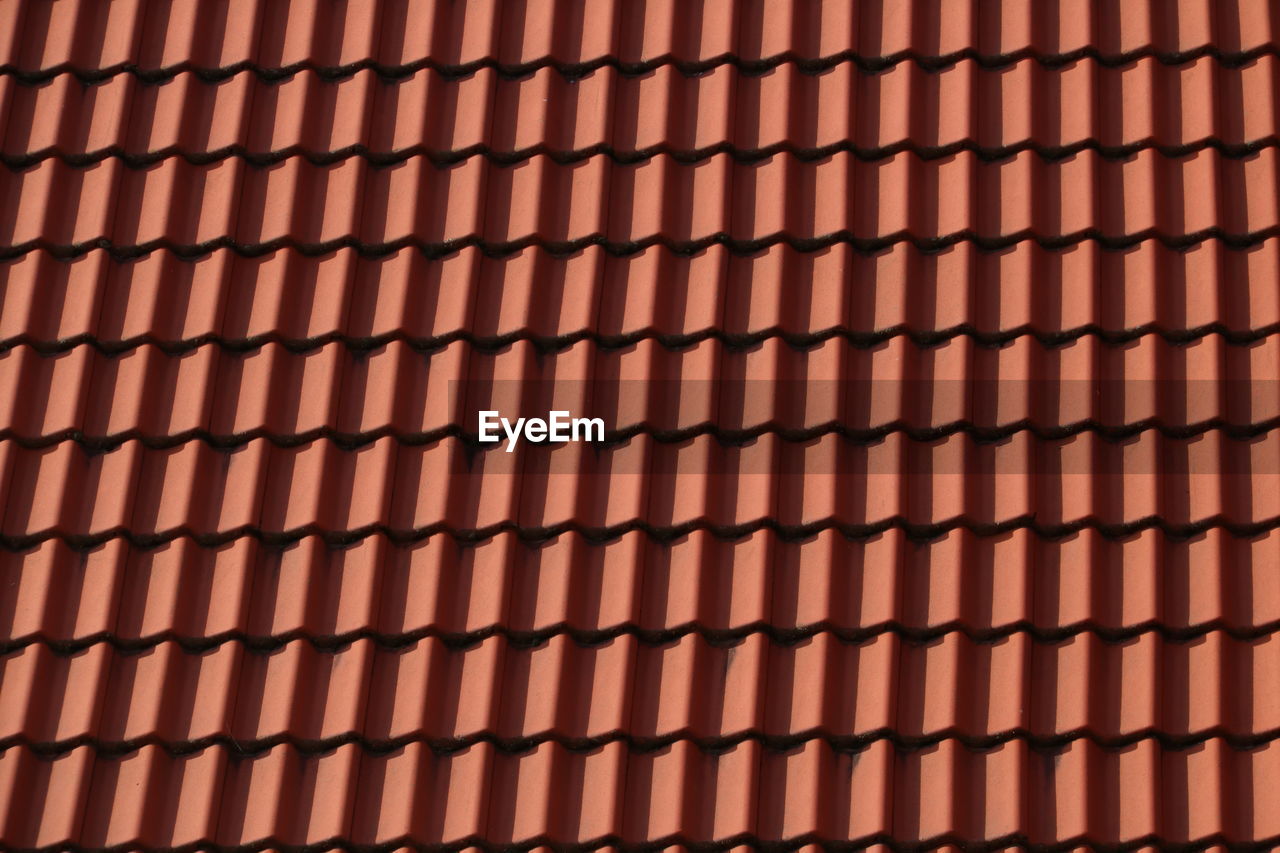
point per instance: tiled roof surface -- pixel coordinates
(938, 346)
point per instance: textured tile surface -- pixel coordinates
(938, 346)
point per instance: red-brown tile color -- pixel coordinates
(937, 346)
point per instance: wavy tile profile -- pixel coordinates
(357, 397)
(869, 205)
(1054, 487)
(627, 799)
(644, 695)
(523, 37)
(937, 347)
(983, 587)
(1079, 107)
(554, 302)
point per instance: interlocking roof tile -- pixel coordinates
(1085, 105)
(624, 689)
(230, 397)
(943, 793)
(555, 301)
(1055, 486)
(624, 207)
(522, 36)
(936, 345)
(984, 587)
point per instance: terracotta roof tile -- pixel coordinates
(802, 297)
(525, 35)
(913, 692)
(716, 795)
(332, 390)
(841, 199)
(1086, 105)
(936, 344)
(1180, 486)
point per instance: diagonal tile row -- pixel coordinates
(229, 397)
(1010, 795)
(1053, 486)
(628, 207)
(913, 693)
(1055, 110)
(804, 297)
(154, 35)
(723, 590)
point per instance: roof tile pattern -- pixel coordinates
(870, 204)
(1086, 105)
(938, 347)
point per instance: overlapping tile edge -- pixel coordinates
(929, 298)
(602, 115)
(1237, 822)
(523, 39)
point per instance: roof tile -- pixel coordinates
(936, 345)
